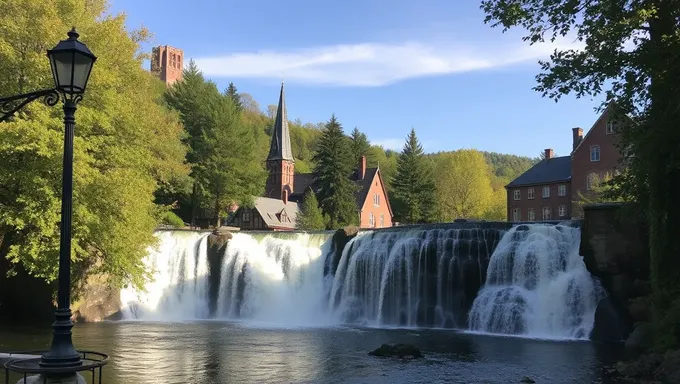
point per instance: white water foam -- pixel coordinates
(537, 286)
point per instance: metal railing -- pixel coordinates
(93, 362)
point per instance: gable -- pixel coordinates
(597, 132)
(366, 187)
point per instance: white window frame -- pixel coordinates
(549, 213)
(610, 127)
(371, 219)
(562, 190)
(531, 214)
(516, 194)
(530, 193)
(595, 149)
(543, 192)
(376, 200)
(516, 214)
(382, 220)
(562, 210)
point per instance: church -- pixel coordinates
(277, 210)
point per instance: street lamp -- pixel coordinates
(71, 62)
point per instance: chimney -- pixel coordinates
(362, 168)
(284, 196)
(549, 154)
(577, 134)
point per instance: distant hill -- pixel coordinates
(508, 167)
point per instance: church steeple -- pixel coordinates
(279, 149)
(280, 161)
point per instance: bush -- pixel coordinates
(170, 218)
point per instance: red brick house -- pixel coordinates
(549, 189)
(285, 190)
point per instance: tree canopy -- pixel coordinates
(310, 217)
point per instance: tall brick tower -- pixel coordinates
(167, 63)
(280, 162)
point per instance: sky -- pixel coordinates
(384, 66)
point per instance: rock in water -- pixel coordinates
(397, 350)
(527, 379)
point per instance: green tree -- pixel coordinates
(127, 145)
(334, 166)
(413, 187)
(630, 53)
(233, 94)
(360, 145)
(463, 185)
(310, 217)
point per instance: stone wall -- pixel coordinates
(614, 244)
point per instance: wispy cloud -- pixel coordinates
(371, 64)
(393, 144)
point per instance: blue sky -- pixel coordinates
(381, 65)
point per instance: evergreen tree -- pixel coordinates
(310, 217)
(360, 145)
(334, 166)
(413, 188)
(233, 94)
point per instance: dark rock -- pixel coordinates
(340, 239)
(527, 379)
(641, 288)
(669, 370)
(644, 366)
(640, 309)
(641, 338)
(99, 301)
(612, 323)
(522, 227)
(397, 350)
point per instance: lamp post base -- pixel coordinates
(73, 378)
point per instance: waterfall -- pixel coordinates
(178, 289)
(537, 285)
(419, 277)
(485, 277)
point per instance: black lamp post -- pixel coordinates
(71, 63)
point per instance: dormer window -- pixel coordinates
(611, 127)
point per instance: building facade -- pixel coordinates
(285, 190)
(167, 63)
(550, 189)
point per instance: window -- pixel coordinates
(516, 214)
(376, 199)
(611, 127)
(591, 180)
(561, 190)
(546, 192)
(516, 194)
(547, 213)
(563, 210)
(531, 214)
(530, 193)
(594, 153)
(382, 220)
(246, 215)
(371, 219)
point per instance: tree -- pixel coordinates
(630, 52)
(127, 146)
(310, 217)
(233, 94)
(360, 145)
(334, 166)
(463, 185)
(413, 187)
(225, 164)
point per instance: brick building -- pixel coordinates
(285, 189)
(167, 63)
(549, 189)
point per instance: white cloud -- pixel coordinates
(393, 144)
(371, 64)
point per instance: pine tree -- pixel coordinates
(233, 94)
(360, 145)
(413, 188)
(310, 217)
(334, 166)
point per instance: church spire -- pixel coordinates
(279, 148)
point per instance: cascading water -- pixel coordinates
(419, 277)
(179, 287)
(537, 285)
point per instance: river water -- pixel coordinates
(238, 352)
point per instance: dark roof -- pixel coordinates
(546, 171)
(302, 181)
(364, 185)
(279, 148)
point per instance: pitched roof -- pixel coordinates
(271, 211)
(279, 149)
(364, 185)
(301, 181)
(546, 171)
(592, 128)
